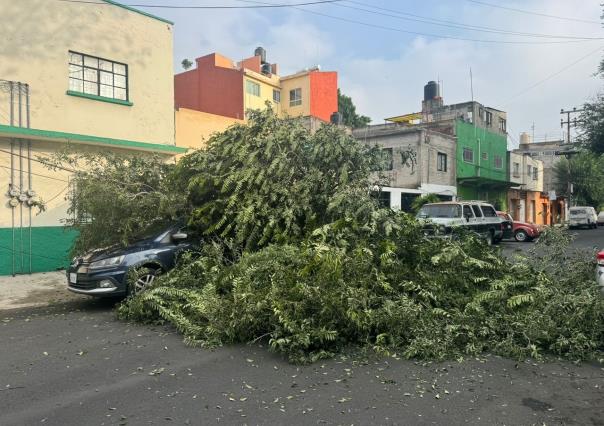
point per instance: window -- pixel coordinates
(387, 158)
(502, 125)
(441, 162)
(383, 198)
(407, 201)
(488, 211)
(485, 156)
(467, 211)
(489, 118)
(498, 160)
(98, 77)
(252, 88)
(535, 173)
(477, 211)
(529, 170)
(295, 97)
(516, 169)
(276, 96)
(468, 155)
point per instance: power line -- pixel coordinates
(453, 24)
(40, 161)
(528, 12)
(157, 6)
(367, 24)
(549, 77)
(35, 174)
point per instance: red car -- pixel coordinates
(522, 231)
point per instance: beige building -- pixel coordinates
(94, 76)
(422, 162)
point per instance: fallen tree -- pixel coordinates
(298, 252)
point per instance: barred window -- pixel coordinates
(468, 155)
(97, 76)
(498, 160)
(441, 162)
(276, 96)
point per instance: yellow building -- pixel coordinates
(96, 76)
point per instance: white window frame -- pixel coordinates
(295, 97)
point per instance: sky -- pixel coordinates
(531, 75)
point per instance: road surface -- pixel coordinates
(76, 364)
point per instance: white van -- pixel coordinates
(583, 216)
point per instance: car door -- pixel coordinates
(478, 223)
(172, 246)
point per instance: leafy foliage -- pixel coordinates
(116, 199)
(424, 199)
(592, 124)
(349, 112)
(586, 172)
(273, 181)
(382, 285)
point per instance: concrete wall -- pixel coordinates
(481, 141)
(267, 84)
(414, 158)
(301, 81)
(324, 94)
(37, 36)
(214, 87)
(194, 128)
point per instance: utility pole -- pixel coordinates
(569, 123)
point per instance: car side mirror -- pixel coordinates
(179, 236)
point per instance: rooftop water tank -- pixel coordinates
(431, 91)
(260, 52)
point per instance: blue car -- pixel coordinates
(104, 272)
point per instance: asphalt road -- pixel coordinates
(76, 364)
(583, 239)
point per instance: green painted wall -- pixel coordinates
(50, 246)
(490, 143)
(496, 196)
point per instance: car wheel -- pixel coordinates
(521, 236)
(490, 239)
(143, 278)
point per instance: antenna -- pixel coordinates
(471, 85)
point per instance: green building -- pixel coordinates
(481, 162)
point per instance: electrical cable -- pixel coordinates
(35, 174)
(549, 77)
(399, 30)
(452, 24)
(534, 13)
(41, 162)
(157, 6)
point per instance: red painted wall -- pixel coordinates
(210, 88)
(323, 94)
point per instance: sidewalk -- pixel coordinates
(41, 289)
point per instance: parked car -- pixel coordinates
(583, 216)
(441, 219)
(521, 231)
(104, 272)
(601, 218)
(600, 271)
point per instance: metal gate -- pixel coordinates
(20, 191)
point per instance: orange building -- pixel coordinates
(219, 86)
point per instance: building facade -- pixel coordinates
(422, 162)
(111, 89)
(481, 144)
(545, 152)
(526, 200)
(220, 87)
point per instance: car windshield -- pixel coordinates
(577, 212)
(440, 211)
